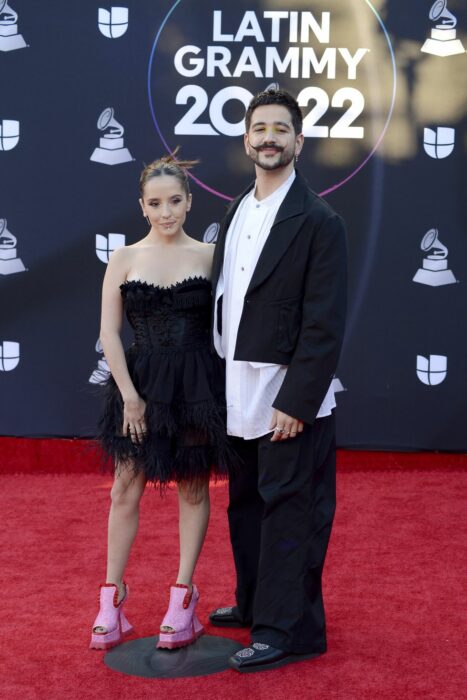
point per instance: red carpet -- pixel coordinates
(75, 456)
(394, 587)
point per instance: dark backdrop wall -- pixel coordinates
(91, 92)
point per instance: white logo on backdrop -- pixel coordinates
(434, 272)
(113, 23)
(111, 149)
(432, 370)
(211, 233)
(337, 385)
(189, 61)
(443, 40)
(9, 355)
(9, 134)
(9, 37)
(439, 143)
(9, 261)
(105, 245)
(102, 371)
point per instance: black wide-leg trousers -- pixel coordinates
(281, 508)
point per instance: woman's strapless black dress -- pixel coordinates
(181, 381)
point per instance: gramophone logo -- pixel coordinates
(211, 233)
(113, 23)
(111, 149)
(435, 272)
(443, 41)
(102, 371)
(9, 355)
(9, 37)
(440, 143)
(9, 134)
(9, 261)
(337, 385)
(432, 370)
(105, 245)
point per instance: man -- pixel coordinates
(279, 273)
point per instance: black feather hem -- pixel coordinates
(183, 442)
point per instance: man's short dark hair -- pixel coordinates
(276, 97)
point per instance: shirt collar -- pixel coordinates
(275, 196)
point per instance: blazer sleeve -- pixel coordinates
(316, 354)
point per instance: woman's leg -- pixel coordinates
(194, 509)
(125, 497)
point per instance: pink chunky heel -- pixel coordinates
(181, 618)
(111, 618)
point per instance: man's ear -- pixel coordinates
(299, 141)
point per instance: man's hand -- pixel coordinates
(284, 426)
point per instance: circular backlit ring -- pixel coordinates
(329, 189)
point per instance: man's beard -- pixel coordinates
(286, 157)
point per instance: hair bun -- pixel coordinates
(171, 159)
(168, 165)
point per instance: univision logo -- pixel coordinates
(113, 23)
(440, 143)
(432, 370)
(9, 355)
(9, 134)
(105, 245)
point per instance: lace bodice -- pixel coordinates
(168, 318)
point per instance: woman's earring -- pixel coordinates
(147, 219)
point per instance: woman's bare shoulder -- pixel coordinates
(204, 249)
(130, 250)
(142, 243)
(122, 258)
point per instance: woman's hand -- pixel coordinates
(284, 426)
(134, 422)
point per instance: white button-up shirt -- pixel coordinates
(251, 387)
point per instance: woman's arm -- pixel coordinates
(208, 254)
(111, 326)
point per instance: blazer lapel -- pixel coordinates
(282, 233)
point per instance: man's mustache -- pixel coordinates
(267, 146)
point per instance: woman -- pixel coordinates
(165, 407)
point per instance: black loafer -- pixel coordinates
(263, 657)
(227, 617)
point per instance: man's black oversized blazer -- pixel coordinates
(294, 309)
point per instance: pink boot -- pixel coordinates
(111, 618)
(182, 618)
